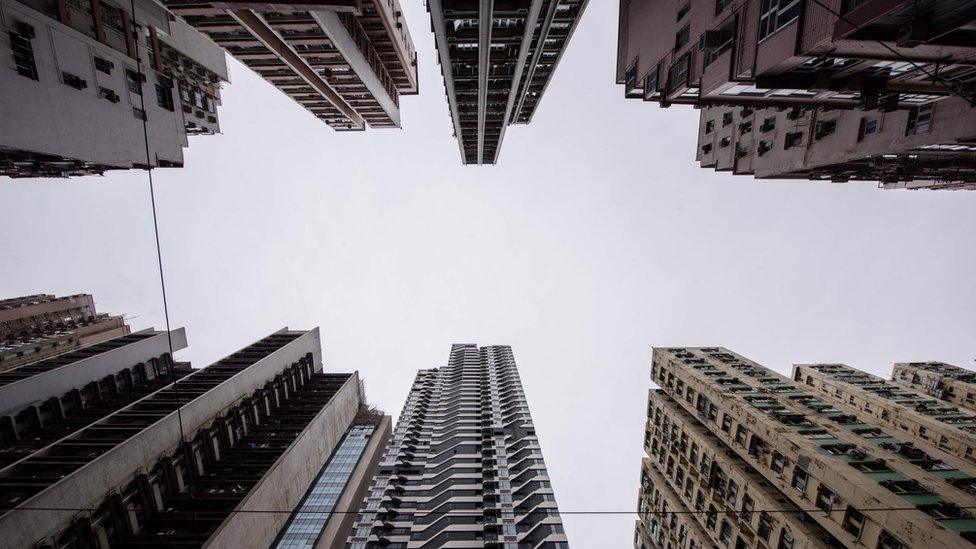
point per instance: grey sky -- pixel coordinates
(596, 237)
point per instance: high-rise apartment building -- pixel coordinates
(931, 146)
(943, 381)
(345, 61)
(874, 89)
(118, 446)
(464, 467)
(741, 456)
(85, 83)
(38, 326)
(892, 405)
(497, 59)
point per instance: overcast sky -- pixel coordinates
(595, 238)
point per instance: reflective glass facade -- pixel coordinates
(309, 520)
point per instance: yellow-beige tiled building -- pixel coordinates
(741, 456)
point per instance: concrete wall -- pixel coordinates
(50, 117)
(195, 45)
(87, 487)
(18, 395)
(283, 488)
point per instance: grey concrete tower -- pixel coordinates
(116, 446)
(464, 468)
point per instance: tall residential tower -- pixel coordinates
(497, 59)
(464, 468)
(741, 456)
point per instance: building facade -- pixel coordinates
(853, 54)
(858, 90)
(86, 83)
(497, 59)
(741, 456)
(346, 61)
(324, 518)
(943, 381)
(464, 467)
(140, 451)
(952, 429)
(38, 326)
(931, 146)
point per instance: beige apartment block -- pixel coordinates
(943, 381)
(659, 514)
(714, 489)
(891, 405)
(762, 460)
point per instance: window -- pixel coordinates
(74, 80)
(745, 127)
(876, 466)
(776, 14)
(868, 127)
(104, 65)
(740, 435)
(747, 507)
(778, 463)
(23, 50)
(139, 113)
(765, 525)
(164, 97)
(793, 139)
(709, 126)
(108, 94)
(681, 37)
(726, 423)
(944, 510)
(785, 539)
(726, 119)
(919, 119)
(133, 81)
(720, 5)
(768, 125)
(678, 73)
(732, 492)
(764, 147)
(713, 43)
(887, 541)
(683, 11)
(826, 499)
(853, 522)
(799, 480)
(824, 128)
(725, 533)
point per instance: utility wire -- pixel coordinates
(481, 513)
(152, 201)
(951, 86)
